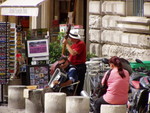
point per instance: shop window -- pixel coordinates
(138, 7)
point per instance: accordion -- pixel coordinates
(60, 77)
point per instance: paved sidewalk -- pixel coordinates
(5, 109)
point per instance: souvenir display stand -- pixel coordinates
(37, 72)
(7, 54)
(4, 28)
(38, 75)
(12, 50)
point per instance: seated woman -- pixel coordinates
(118, 85)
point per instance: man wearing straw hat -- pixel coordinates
(77, 55)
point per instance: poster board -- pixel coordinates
(38, 75)
(38, 48)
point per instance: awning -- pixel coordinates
(21, 3)
(20, 7)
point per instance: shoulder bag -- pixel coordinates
(101, 89)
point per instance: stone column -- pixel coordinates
(77, 104)
(15, 96)
(55, 102)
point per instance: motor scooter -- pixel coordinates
(139, 99)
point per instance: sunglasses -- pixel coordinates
(62, 63)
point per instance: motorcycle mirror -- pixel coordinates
(138, 61)
(105, 61)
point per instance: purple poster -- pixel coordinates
(37, 48)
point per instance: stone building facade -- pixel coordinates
(114, 31)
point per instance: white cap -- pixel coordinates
(74, 34)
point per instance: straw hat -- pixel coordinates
(74, 34)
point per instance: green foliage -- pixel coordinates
(54, 51)
(61, 35)
(90, 55)
(56, 48)
(28, 35)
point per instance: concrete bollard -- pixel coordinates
(77, 104)
(5, 87)
(15, 96)
(55, 103)
(33, 101)
(113, 108)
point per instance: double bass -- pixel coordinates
(70, 21)
(55, 64)
(67, 35)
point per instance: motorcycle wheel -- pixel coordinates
(142, 109)
(142, 104)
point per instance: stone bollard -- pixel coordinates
(33, 101)
(113, 108)
(77, 104)
(5, 87)
(55, 102)
(15, 96)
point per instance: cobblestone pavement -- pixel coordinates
(5, 109)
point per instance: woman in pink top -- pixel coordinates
(118, 85)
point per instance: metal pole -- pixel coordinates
(2, 96)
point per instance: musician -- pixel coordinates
(77, 55)
(70, 70)
(72, 76)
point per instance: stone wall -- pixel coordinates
(112, 33)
